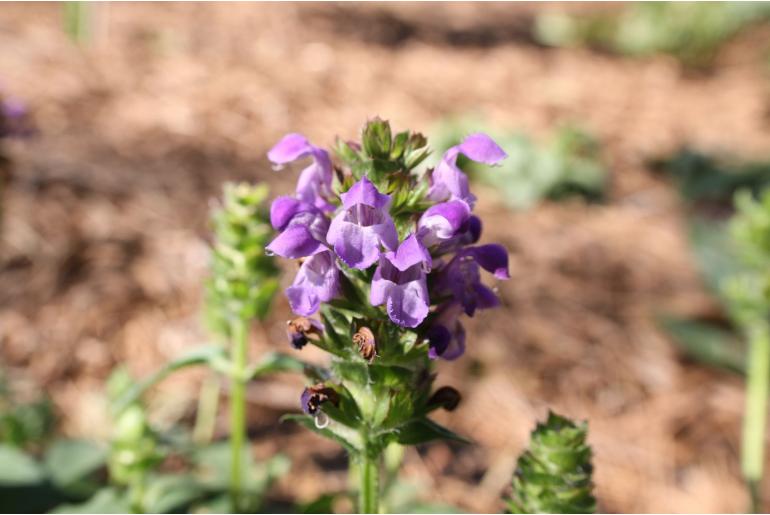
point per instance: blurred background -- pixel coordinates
(629, 127)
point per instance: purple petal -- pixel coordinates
(456, 347)
(317, 281)
(364, 192)
(439, 338)
(291, 147)
(314, 184)
(409, 253)
(492, 258)
(481, 148)
(354, 245)
(283, 209)
(449, 182)
(443, 221)
(295, 242)
(407, 304)
(485, 297)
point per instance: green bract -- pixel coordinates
(554, 475)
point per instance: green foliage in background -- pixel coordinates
(567, 165)
(705, 178)
(244, 279)
(690, 31)
(554, 474)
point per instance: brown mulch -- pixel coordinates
(104, 237)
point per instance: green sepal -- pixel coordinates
(425, 430)
(376, 139)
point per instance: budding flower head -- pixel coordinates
(367, 346)
(300, 329)
(314, 396)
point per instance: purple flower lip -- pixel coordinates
(314, 184)
(449, 182)
(400, 283)
(441, 222)
(462, 278)
(446, 337)
(313, 397)
(301, 329)
(362, 226)
(317, 281)
(304, 230)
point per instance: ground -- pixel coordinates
(105, 229)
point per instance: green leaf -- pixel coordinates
(322, 504)
(18, 468)
(343, 435)
(425, 430)
(707, 343)
(213, 355)
(171, 493)
(106, 500)
(276, 362)
(376, 138)
(70, 462)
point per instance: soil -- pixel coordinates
(105, 229)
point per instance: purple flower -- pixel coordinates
(364, 224)
(462, 277)
(449, 182)
(301, 330)
(303, 227)
(13, 118)
(315, 182)
(317, 281)
(442, 222)
(399, 282)
(446, 337)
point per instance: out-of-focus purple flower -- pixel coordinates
(446, 337)
(315, 182)
(449, 182)
(462, 277)
(303, 227)
(441, 222)
(13, 119)
(364, 224)
(399, 282)
(317, 281)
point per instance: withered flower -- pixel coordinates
(314, 396)
(367, 346)
(300, 329)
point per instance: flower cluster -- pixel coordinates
(389, 262)
(410, 237)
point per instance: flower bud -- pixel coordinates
(300, 329)
(314, 396)
(367, 346)
(445, 397)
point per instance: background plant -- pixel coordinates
(567, 165)
(554, 474)
(691, 31)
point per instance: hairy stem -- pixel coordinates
(237, 410)
(755, 419)
(369, 492)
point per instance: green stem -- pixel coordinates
(369, 479)
(755, 418)
(238, 410)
